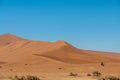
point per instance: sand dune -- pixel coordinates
(7, 39)
(15, 49)
(22, 56)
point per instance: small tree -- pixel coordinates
(102, 64)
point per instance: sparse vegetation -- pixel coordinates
(25, 78)
(89, 75)
(60, 68)
(96, 74)
(110, 78)
(73, 74)
(26, 64)
(102, 64)
(100, 76)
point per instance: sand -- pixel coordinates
(52, 60)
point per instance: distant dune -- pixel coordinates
(17, 50)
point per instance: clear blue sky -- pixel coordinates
(86, 24)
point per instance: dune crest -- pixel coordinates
(6, 39)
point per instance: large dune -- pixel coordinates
(52, 60)
(17, 50)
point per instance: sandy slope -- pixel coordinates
(19, 55)
(16, 49)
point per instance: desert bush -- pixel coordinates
(60, 68)
(110, 78)
(32, 78)
(25, 78)
(96, 74)
(102, 79)
(89, 75)
(26, 64)
(18, 78)
(73, 74)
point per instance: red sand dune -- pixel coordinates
(8, 38)
(17, 50)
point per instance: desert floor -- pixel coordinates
(52, 71)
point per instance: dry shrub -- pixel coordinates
(73, 74)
